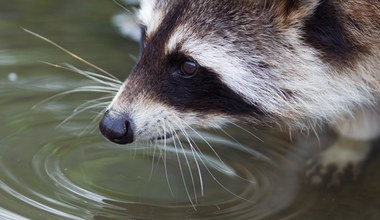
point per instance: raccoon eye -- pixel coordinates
(188, 69)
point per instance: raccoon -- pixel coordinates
(296, 64)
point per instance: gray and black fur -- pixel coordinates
(291, 63)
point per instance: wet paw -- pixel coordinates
(328, 175)
(339, 164)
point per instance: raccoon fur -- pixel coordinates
(290, 63)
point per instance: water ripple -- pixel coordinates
(52, 173)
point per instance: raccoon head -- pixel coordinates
(210, 63)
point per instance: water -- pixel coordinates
(53, 171)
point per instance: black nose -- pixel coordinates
(116, 128)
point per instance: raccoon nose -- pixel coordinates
(116, 129)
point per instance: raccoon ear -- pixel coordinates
(290, 12)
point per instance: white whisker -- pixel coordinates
(94, 76)
(93, 123)
(216, 179)
(189, 168)
(93, 101)
(153, 160)
(98, 89)
(193, 151)
(181, 169)
(122, 6)
(253, 135)
(220, 184)
(98, 105)
(165, 161)
(208, 144)
(196, 153)
(69, 52)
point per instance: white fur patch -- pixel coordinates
(217, 55)
(317, 92)
(149, 15)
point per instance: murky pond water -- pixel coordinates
(54, 170)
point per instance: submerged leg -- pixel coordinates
(343, 161)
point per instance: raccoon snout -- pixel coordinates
(117, 129)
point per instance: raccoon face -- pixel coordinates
(173, 87)
(209, 63)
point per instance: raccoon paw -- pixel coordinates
(328, 174)
(338, 164)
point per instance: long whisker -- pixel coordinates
(181, 169)
(115, 84)
(194, 151)
(219, 158)
(98, 105)
(69, 52)
(215, 178)
(96, 89)
(208, 144)
(219, 183)
(165, 160)
(92, 124)
(94, 76)
(91, 102)
(153, 160)
(99, 89)
(230, 136)
(253, 135)
(122, 6)
(189, 168)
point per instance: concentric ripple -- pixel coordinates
(53, 173)
(87, 178)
